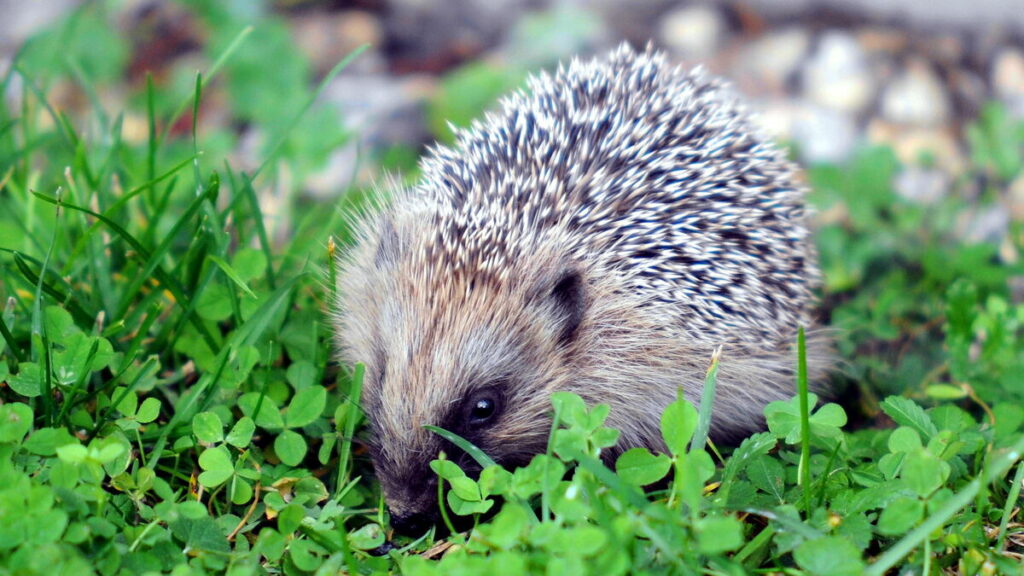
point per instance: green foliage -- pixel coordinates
(871, 488)
(894, 268)
(997, 143)
(167, 403)
(164, 369)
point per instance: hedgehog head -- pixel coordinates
(473, 349)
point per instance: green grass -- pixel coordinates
(169, 403)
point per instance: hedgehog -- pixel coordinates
(601, 232)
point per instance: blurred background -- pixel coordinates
(824, 75)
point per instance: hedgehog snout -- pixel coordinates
(414, 524)
(413, 504)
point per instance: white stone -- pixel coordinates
(1008, 80)
(1008, 74)
(917, 96)
(693, 32)
(922, 185)
(774, 57)
(985, 224)
(1015, 198)
(823, 135)
(837, 76)
(776, 118)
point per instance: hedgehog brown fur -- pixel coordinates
(602, 232)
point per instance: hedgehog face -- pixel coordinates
(470, 353)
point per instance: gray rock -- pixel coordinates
(774, 58)
(692, 32)
(922, 185)
(824, 135)
(426, 35)
(977, 15)
(837, 75)
(1016, 284)
(917, 96)
(985, 224)
(328, 37)
(777, 117)
(1015, 198)
(1008, 79)
(23, 19)
(634, 20)
(384, 110)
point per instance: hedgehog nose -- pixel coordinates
(413, 524)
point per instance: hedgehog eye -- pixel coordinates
(482, 408)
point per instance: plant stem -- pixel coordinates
(804, 471)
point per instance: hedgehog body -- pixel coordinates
(602, 232)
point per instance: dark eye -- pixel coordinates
(482, 408)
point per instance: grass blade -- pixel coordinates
(261, 228)
(804, 470)
(345, 446)
(1011, 503)
(210, 75)
(231, 273)
(21, 263)
(465, 445)
(707, 400)
(69, 137)
(40, 341)
(309, 103)
(12, 344)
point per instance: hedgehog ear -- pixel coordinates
(389, 245)
(567, 298)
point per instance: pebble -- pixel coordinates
(969, 91)
(917, 96)
(1016, 284)
(837, 75)
(774, 58)
(433, 36)
(777, 117)
(1015, 198)
(947, 49)
(21, 20)
(1008, 73)
(326, 38)
(824, 135)
(884, 40)
(383, 109)
(1008, 79)
(692, 33)
(986, 223)
(922, 185)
